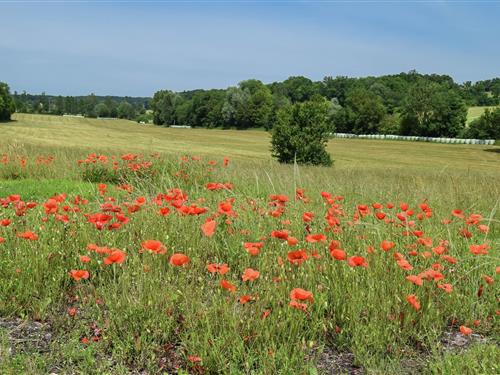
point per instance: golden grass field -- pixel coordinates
(57, 131)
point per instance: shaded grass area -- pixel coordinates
(39, 190)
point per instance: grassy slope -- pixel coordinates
(126, 135)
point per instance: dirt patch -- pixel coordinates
(331, 361)
(26, 336)
(455, 341)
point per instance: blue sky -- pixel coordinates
(135, 48)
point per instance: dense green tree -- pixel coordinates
(337, 88)
(126, 110)
(363, 113)
(112, 107)
(59, 108)
(248, 106)
(485, 127)
(301, 133)
(88, 105)
(433, 110)
(101, 110)
(207, 108)
(7, 104)
(299, 89)
(163, 105)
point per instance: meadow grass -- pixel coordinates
(147, 315)
(474, 113)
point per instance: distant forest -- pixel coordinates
(407, 103)
(93, 106)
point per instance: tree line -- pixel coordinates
(89, 106)
(407, 104)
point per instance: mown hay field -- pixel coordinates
(127, 248)
(474, 113)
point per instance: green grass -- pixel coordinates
(35, 189)
(479, 359)
(148, 315)
(476, 112)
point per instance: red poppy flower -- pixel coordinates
(338, 254)
(417, 280)
(164, 211)
(153, 246)
(227, 285)
(387, 245)
(208, 228)
(479, 249)
(218, 268)
(449, 259)
(281, 234)
(488, 279)
(178, 259)
(245, 299)
(116, 256)
(357, 261)
(79, 274)
(315, 238)
(448, 288)
(5, 222)
(297, 257)
(28, 235)
(85, 259)
(250, 275)
(404, 265)
(465, 330)
(253, 248)
(298, 305)
(301, 295)
(194, 359)
(413, 300)
(307, 217)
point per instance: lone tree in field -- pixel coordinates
(301, 133)
(7, 106)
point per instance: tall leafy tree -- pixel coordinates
(163, 105)
(248, 106)
(101, 110)
(7, 105)
(363, 113)
(126, 110)
(433, 110)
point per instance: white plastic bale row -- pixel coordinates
(419, 139)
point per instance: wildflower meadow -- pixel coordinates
(143, 262)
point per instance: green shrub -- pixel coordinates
(301, 133)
